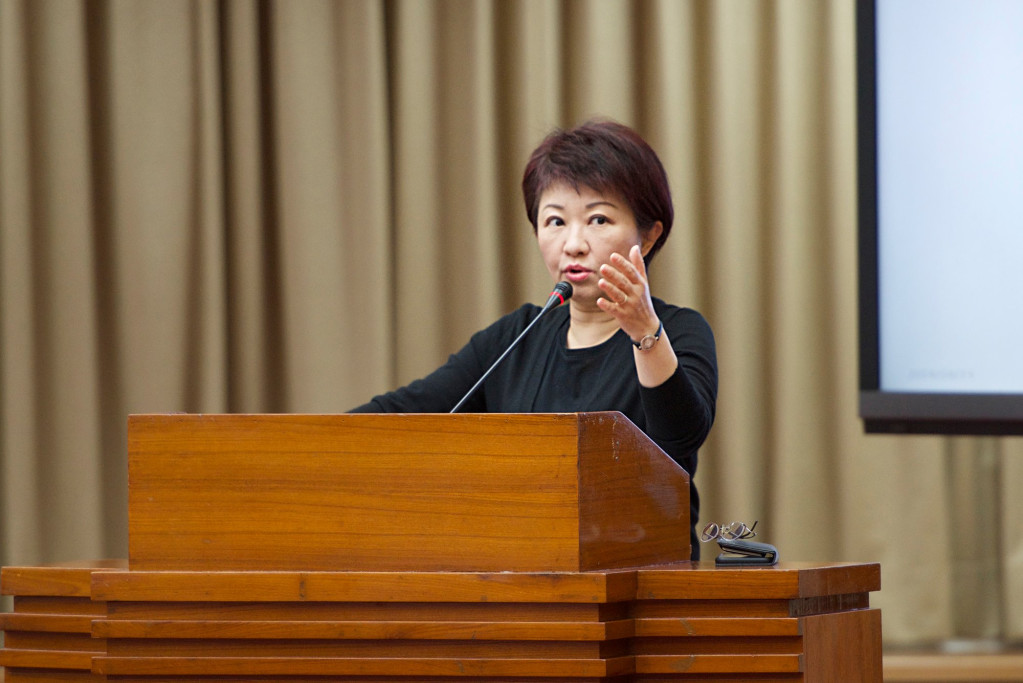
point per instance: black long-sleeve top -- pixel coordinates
(542, 375)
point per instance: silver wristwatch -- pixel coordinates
(647, 342)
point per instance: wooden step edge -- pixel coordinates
(383, 666)
(47, 623)
(714, 664)
(51, 659)
(647, 627)
(363, 630)
(401, 587)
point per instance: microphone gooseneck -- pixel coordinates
(562, 292)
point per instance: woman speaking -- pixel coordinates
(598, 199)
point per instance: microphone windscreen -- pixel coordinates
(563, 290)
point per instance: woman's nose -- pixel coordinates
(575, 240)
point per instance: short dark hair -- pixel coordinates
(608, 157)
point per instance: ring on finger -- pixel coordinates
(624, 301)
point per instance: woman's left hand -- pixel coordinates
(627, 294)
(627, 298)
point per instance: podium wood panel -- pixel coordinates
(566, 492)
(681, 622)
(591, 587)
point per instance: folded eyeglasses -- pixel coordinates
(731, 532)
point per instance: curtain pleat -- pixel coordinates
(289, 206)
(331, 216)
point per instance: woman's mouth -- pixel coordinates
(576, 273)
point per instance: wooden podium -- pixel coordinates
(384, 548)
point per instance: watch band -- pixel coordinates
(647, 342)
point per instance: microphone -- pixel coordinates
(562, 293)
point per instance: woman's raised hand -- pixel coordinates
(626, 294)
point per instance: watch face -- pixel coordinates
(647, 342)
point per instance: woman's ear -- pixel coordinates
(648, 238)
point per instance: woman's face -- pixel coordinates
(578, 231)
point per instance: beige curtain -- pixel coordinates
(244, 206)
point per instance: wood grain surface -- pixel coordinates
(566, 492)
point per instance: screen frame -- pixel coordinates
(887, 411)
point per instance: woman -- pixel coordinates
(598, 199)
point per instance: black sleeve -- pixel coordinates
(441, 390)
(679, 412)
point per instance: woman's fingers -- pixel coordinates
(624, 278)
(626, 293)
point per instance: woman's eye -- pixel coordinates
(599, 220)
(553, 222)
